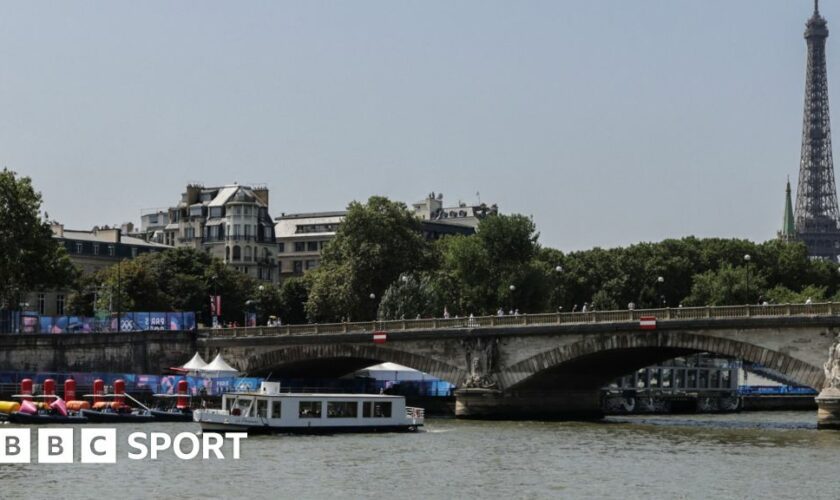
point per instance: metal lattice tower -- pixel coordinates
(816, 214)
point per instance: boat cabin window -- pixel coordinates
(262, 408)
(342, 409)
(382, 409)
(242, 407)
(229, 403)
(379, 409)
(309, 409)
(275, 409)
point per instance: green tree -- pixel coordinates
(293, 296)
(411, 296)
(728, 285)
(30, 258)
(484, 266)
(374, 244)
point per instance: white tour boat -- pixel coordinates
(269, 410)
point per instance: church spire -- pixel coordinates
(788, 232)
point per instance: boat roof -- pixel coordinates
(316, 395)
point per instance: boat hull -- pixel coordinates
(264, 429)
(172, 416)
(25, 418)
(115, 418)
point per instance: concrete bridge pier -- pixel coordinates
(828, 410)
(494, 404)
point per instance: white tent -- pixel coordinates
(219, 367)
(196, 363)
(392, 371)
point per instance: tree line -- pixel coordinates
(379, 265)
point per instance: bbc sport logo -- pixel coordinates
(99, 445)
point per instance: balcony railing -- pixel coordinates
(621, 316)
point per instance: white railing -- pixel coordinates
(620, 316)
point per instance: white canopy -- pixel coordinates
(196, 363)
(219, 366)
(392, 371)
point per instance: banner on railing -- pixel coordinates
(124, 322)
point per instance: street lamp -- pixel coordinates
(216, 301)
(659, 281)
(248, 305)
(372, 296)
(747, 259)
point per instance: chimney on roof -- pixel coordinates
(57, 229)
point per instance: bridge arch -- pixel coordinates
(593, 362)
(340, 359)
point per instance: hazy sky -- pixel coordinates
(610, 122)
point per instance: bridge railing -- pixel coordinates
(619, 316)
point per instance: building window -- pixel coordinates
(111, 250)
(281, 247)
(96, 249)
(312, 246)
(237, 253)
(298, 266)
(300, 246)
(59, 304)
(227, 254)
(311, 264)
(78, 248)
(216, 212)
(247, 252)
(42, 303)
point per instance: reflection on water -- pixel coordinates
(747, 455)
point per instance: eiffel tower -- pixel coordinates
(816, 214)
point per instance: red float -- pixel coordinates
(183, 387)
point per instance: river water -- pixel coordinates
(745, 455)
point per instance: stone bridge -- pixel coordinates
(542, 366)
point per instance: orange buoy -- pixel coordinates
(26, 389)
(183, 387)
(78, 405)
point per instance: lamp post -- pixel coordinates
(372, 297)
(119, 296)
(558, 270)
(659, 281)
(248, 305)
(216, 302)
(747, 259)
(512, 289)
(260, 310)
